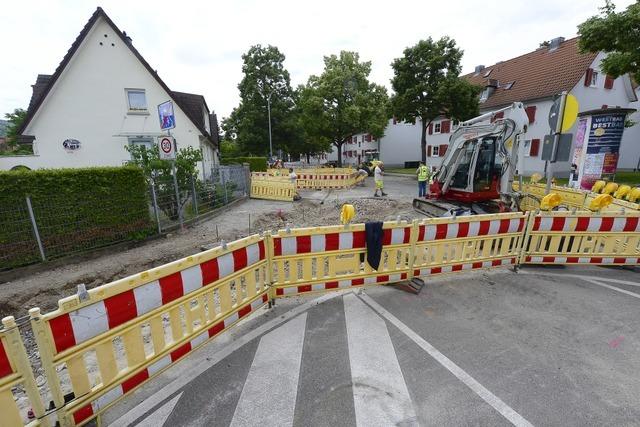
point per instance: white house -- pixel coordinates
(533, 78)
(102, 97)
(358, 148)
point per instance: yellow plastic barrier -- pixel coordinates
(446, 245)
(308, 260)
(130, 330)
(98, 347)
(15, 370)
(576, 198)
(272, 188)
(583, 238)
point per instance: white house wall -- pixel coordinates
(630, 147)
(400, 143)
(88, 103)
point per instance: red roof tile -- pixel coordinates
(538, 74)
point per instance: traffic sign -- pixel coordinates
(166, 115)
(167, 148)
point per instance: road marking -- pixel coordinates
(379, 392)
(191, 373)
(505, 410)
(268, 397)
(580, 276)
(159, 416)
(624, 291)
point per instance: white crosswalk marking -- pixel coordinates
(160, 415)
(269, 394)
(379, 391)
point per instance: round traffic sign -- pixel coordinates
(165, 145)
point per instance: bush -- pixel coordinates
(75, 210)
(256, 164)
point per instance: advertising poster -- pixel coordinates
(602, 149)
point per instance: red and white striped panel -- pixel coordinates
(92, 408)
(587, 224)
(469, 229)
(582, 260)
(341, 284)
(463, 267)
(284, 246)
(78, 326)
(5, 365)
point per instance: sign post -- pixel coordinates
(167, 148)
(562, 116)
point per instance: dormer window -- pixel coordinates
(508, 86)
(486, 74)
(485, 94)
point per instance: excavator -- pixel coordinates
(477, 172)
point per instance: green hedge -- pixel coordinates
(256, 164)
(75, 210)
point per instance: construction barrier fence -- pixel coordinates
(575, 198)
(97, 347)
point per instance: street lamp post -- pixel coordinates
(269, 115)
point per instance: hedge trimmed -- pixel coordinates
(75, 210)
(256, 164)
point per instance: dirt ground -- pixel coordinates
(317, 208)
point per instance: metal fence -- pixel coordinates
(34, 229)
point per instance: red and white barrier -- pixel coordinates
(5, 365)
(469, 229)
(75, 327)
(340, 284)
(587, 224)
(581, 260)
(132, 382)
(462, 267)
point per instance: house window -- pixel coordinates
(437, 127)
(147, 142)
(594, 79)
(435, 151)
(136, 100)
(484, 95)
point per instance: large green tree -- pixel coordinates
(617, 34)
(265, 81)
(15, 120)
(427, 84)
(342, 102)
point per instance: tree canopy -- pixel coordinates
(617, 34)
(265, 80)
(427, 85)
(15, 120)
(342, 102)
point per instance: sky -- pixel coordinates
(196, 46)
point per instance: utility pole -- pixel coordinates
(556, 141)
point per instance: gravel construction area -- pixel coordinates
(317, 208)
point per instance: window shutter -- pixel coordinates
(430, 128)
(531, 113)
(443, 150)
(368, 137)
(588, 76)
(535, 145)
(428, 151)
(446, 126)
(604, 106)
(608, 82)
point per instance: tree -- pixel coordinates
(15, 120)
(427, 84)
(159, 171)
(617, 34)
(341, 102)
(265, 81)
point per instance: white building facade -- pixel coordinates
(102, 98)
(358, 148)
(519, 81)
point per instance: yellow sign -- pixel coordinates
(570, 112)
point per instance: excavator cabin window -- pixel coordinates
(488, 165)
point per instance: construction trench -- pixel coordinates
(451, 247)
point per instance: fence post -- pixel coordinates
(154, 200)
(530, 219)
(45, 347)
(174, 172)
(35, 228)
(412, 250)
(194, 195)
(224, 185)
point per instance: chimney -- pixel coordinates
(129, 40)
(478, 69)
(555, 43)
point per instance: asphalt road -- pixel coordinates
(545, 346)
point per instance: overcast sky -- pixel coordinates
(197, 46)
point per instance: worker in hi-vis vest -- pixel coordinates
(423, 178)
